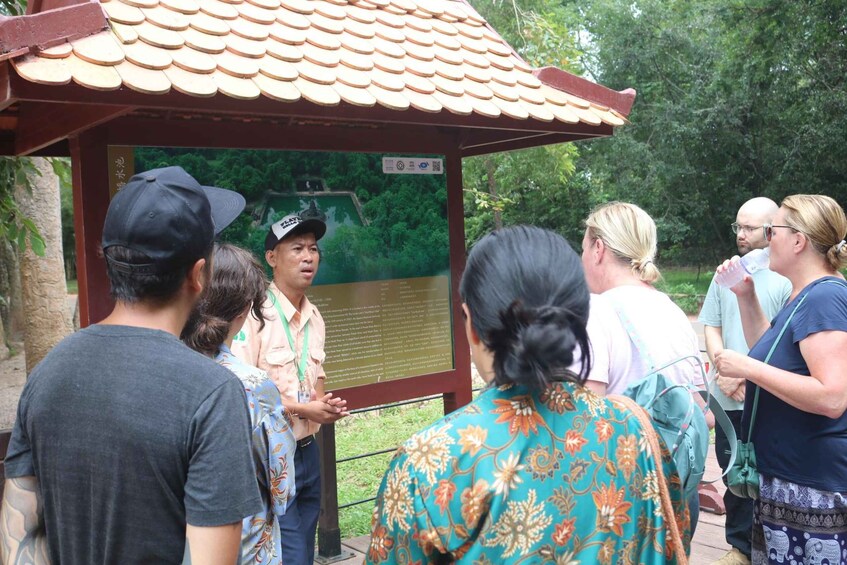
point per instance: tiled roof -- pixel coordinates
(431, 55)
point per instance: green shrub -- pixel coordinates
(685, 296)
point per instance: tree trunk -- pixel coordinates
(45, 293)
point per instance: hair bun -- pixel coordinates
(205, 333)
(537, 343)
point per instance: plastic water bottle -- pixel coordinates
(754, 261)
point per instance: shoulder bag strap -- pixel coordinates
(664, 492)
(768, 358)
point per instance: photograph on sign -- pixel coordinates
(383, 284)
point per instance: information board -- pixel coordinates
(383, 285)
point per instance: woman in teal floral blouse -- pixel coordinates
(238, 282)
(537, 469)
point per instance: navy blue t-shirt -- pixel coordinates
(791, 444)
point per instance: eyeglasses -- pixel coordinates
(736, 227)
(769, 230)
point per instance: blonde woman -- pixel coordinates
(618, 251)
(800, 427)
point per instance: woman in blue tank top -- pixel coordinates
(800, 425)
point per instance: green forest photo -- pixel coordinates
(379, 226)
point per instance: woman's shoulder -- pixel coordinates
(826, 288)
(251, 377)
(511, 414)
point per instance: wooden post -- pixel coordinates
(90, 167)
(462, 394)
(329, 533)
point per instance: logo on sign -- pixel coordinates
(423, 165)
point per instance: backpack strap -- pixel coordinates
(721, 418)
(634, 336)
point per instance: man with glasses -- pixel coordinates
(722, 329)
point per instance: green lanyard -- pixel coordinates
(301, 368)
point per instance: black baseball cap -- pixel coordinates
(169, 217)
(293, 224)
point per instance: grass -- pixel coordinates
(73, 287)
(373, 431)
(688, 275)
(686, 287)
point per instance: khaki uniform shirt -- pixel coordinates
(270, 351)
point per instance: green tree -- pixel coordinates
(735, 99)
(534, 185)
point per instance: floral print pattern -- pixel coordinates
(519, 477)
(273, 454)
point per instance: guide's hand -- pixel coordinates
(339, 403)
(323, 410)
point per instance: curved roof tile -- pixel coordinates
(431, 55)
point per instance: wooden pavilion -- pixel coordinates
(403, 76)
(398, 76)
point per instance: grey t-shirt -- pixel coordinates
(130, 435)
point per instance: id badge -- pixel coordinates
(303, 397)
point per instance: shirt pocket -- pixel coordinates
(279, 357)
(316, 360)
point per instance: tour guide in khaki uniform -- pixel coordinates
(291, 349)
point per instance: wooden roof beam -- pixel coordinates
(43, 30)
(621, 101)
(536, 140)
(42, 124)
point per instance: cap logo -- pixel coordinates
(282, 227)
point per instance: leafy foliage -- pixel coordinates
(14, 226)
(736, 99)
(405, 232)
(532, 186)
(12, 7)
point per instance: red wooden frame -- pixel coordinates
(91, 200)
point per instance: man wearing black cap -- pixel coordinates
(129, 447)
(290, 348)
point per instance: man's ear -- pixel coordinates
(198, 276)
(270, 257)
